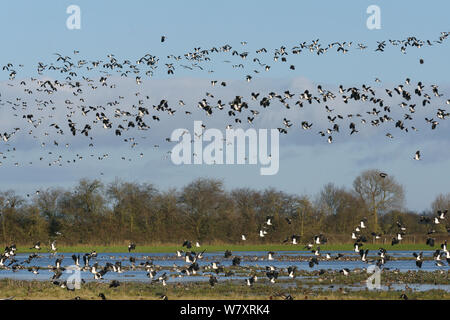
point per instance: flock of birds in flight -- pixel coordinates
(84, 113)
(82, 117)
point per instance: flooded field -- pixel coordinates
(146, 268)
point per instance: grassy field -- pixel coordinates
(199, 291)
(220, 248)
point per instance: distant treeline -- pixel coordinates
(94, 213)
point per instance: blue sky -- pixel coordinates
(130, 28)
(32, 31)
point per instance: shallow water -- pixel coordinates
(253, 259)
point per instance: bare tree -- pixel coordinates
(330, 199)
(442, 202)
(199, 202)
(380, 193)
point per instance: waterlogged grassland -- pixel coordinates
(316, 277)
(441, 277)
(199, 291)
(312, 284)
(220, 248)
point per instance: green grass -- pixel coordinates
(220, 248)
(222, 291)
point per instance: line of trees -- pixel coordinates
(95, 213)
